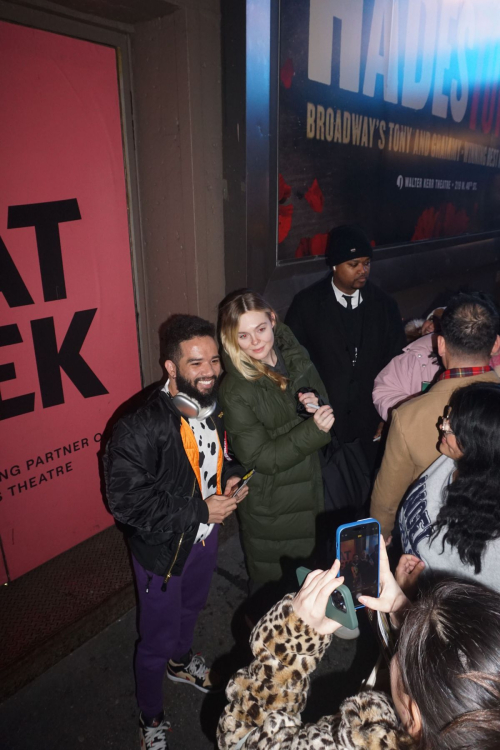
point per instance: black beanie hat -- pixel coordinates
(345, 243)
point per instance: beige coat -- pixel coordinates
(412, 446)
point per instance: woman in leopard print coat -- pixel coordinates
(445, 679)
(270, 694)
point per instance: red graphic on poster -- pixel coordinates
(312, 246)
(314, 197)
(287, 73)
(285, 213)
(68, 340)
(445, 222)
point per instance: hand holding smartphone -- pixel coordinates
(340, 606)
(243, 482)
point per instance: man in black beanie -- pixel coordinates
(351, 330)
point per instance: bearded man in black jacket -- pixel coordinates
(170, 482)
(351, 330)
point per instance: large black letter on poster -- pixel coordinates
(13, 407)
(46, 217)
(11, 284)
(50, 361)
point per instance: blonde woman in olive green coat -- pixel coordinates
(265, 366)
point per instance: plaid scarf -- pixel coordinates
(464, 372)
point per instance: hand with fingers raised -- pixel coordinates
(407, 573)
(310, 401)
(310, 603)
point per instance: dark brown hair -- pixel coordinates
(179, 328)
(449, 660)
(469, 517)
(470, 325)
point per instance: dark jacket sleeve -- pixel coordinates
(231, 469)
(134, 494)
(396, 339)
(311, 375)
(256, 449)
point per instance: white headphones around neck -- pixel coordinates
(190, 408)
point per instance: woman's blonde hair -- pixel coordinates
(231, 309)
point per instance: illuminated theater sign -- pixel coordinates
(389, 116)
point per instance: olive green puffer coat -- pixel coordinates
(277, 517)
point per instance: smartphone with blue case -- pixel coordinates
(340, 606)
(358, 549)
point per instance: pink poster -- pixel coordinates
(68, 339)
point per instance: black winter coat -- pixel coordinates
(314, 318)
(152, 489)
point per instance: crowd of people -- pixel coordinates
(426, 415)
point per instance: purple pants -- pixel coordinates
(167, 619)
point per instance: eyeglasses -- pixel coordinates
(444, 424)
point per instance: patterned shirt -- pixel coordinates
(206, 437)
(464, 372)
(208, 446)
(417, 516)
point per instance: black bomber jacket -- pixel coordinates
(152, 489)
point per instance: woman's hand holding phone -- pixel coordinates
(310, 603)
(392, 599)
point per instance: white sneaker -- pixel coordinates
(154, 737)
(195, 673)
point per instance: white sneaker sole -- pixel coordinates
(192, 684)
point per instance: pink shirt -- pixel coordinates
(495, 363)
(403, 377)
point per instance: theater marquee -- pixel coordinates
(389, 116)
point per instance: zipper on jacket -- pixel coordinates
(169, 573)
(150, 578)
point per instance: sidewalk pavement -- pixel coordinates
(87, 699)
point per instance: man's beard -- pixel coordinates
(190, 389)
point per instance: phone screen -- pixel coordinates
(359, 559)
